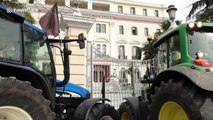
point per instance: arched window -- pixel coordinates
(121, 51)
(136, 53)
(104, 49)
(123, 75)
(98, 50)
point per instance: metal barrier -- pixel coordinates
(120, 78)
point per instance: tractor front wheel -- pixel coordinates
(125, 111)
(20, 101)
(180, 100)
(103, 112)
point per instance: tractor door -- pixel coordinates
(169, 53)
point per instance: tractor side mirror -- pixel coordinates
(81, 41)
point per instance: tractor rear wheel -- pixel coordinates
(125, 111)
(103, 112)
(180, 100)
(20, 101)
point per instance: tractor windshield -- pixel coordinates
(36, 56)
(10, 36)
(201, 40)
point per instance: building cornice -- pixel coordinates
(119, 16)
(130, 2)
(66, 14)
(98, 14)
(77, 21)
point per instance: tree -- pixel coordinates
(165, 25)
(14, 4)
(147, 48)
(205, 17)
(202, 10)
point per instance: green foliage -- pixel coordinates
(149, 52)
(28, 17)
(205, 17)
(14, 4)
(165, 25)
(202, 10)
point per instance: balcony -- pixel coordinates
(51, 2)
(101, 7)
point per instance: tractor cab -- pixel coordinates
(189, 44)
(183, 84)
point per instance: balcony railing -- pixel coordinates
(102, 56)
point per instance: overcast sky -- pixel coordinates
(181, 5)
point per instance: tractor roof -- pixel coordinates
(11, 14)
(172, 30)
(33, 27)
(18, 17)
(167, 33)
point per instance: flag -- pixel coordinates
(50, 22)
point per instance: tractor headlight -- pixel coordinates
(199, 55)
(199, 24)
(191, 25)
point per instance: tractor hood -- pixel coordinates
(70, 87)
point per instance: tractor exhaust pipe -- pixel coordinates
(66, 63)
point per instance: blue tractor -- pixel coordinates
(29, 89)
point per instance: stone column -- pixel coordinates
(67, 3)
(89, 5)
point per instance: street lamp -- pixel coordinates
(172, 12)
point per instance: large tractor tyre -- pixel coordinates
(125, 111)
(103, 112)
(20, 101)
(180, 100)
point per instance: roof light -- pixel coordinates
(199, 24)
(191, 25)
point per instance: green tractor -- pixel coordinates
(182, 86)
(29, 89)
